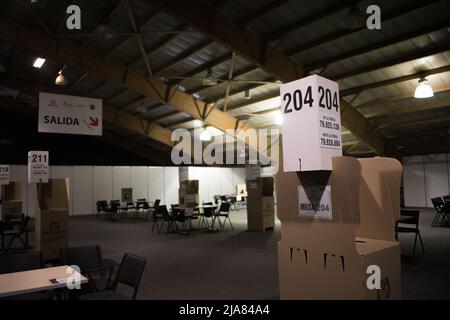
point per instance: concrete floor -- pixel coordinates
(240, 264)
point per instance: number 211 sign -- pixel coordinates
(311, 124)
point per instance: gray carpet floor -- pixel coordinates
(238, 264)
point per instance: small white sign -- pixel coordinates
(4, 174)
(315, 202)
(38, 170)
(311, 124)
(70, 114)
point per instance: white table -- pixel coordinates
(24, 282)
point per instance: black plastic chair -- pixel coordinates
(157, 216)
(102, 208)
(130, 273)
(90, 261)
(19, 231)
(410, 225)
(223, 212)
(208, 214)
(438, 204)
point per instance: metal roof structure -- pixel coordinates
(250, 47)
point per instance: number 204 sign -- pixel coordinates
(311, 124)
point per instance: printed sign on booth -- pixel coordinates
(315, 202)
(4, 174)
(311, 124)
(38, 170)
(70, 114)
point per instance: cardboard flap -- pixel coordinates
(379, 198)
(54, 194)
(344, 181)
(12, 191)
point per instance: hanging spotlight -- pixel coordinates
(205, 135)
(60, 79)
(423, 89)
(355, 18)
(278, 119)
(210, 79)
(247, 94)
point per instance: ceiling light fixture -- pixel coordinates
(38, 63)
(247, 94)
(423, 89)
(355, 18)
(205, 135)
(60, 79)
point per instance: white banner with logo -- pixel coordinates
(38, 169)
(4, 174)
(70, 114)
(315, 202)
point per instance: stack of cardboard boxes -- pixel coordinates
(52, 216)
(11, 204)
(260, 204)
(188, 195)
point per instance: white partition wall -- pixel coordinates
(436, 176)
(83, 190)
(139, 182)
(121, 179)
(89, 184)
(425, 177)
(171, 185)
(156, 183)
(103, 183)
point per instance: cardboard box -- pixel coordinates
(127, 195)
(328, 259)
(187, 200)
(52, 214)
(260, 214)
(311, 123)
(241, 190)
(189, 186)
(261, 187)
(11, 203)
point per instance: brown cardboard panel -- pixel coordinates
(187, 200)
(380, 198)
(344, 181)
(53, 194)
(12, 191)
(127, 194)
(261, 187)
(52, 214)
(260, 213)
(189, 186)
(322, 259)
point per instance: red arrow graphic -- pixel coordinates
(93, 122)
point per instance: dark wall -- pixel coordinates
(19, 134)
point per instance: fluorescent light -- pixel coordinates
(205, 136)
(278, 119)
(38, 63)
(423, 90)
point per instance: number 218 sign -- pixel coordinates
(311, 123)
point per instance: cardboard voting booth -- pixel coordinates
(188, 195)
(11, 201)
(328, 257)
(52, 214)
(127, 195)
(260, 204)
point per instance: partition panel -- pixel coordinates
(414, 182)
(436, 177)
(171, 185)
(83, 190)
(121, 179)
(103, 183)
(156, 184)
(139, 182)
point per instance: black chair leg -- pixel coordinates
(415, 243)
(421, 243)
